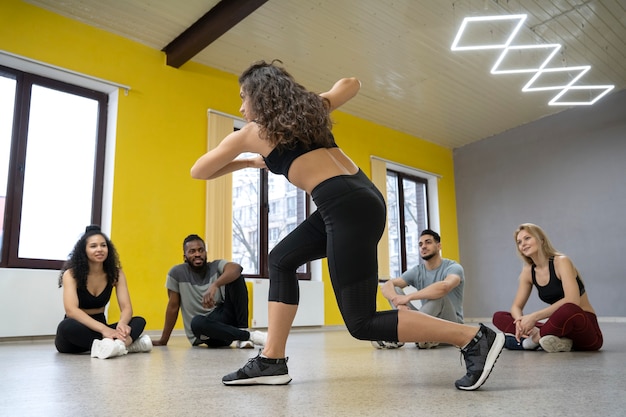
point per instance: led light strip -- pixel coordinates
(542, 69)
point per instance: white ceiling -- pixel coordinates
(399, 49)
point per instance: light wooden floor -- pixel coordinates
(333, 375)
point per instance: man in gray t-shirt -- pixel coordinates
(439, 283)
(213, 300)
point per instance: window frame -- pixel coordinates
(15, 181)
(402, 239)
(263, 232)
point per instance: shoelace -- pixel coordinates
(250, 363)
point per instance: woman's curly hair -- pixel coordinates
(78, 262)
(285, 111)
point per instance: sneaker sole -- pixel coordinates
(261, 380)
(492, 357)
(554, 344)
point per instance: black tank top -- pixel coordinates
(279, 160)
(553, 290)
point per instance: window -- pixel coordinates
(52, 141)
(275, 207)
(407, 216)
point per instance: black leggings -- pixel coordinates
(74, 337)
(345, 228)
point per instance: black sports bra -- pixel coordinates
(553, 290)
(87, 301)
(279, 160)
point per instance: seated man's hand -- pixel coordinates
(159, 342)
(400, 300)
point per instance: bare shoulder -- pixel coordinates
(525, 275)
(562, 260)
(121, 277)
(563, 263)
(250, 137)
(68, 278)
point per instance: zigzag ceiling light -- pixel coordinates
(544, 78)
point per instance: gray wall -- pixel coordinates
(566, 173)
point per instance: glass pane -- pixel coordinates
(7, 103)
(287, 210)
(246, 218)
(395, 263)
(59, 173)
(414, 218)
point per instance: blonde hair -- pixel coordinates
(538, 233)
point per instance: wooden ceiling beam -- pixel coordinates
(217, 21)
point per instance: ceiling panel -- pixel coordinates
(399, 49)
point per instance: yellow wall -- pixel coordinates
(161, 130)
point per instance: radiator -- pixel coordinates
(310, 310)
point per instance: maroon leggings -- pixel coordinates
(569, 321)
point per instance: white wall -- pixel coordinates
(310, 309)
(566, 173)
(30, 302)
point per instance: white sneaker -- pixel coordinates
(380, 344)
(553, 344)
(245, 344)
(143, 344)
(107, 348)
(427, 345)
(258, 338)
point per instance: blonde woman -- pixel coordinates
(568, 322)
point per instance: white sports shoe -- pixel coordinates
(427, 345)
(107, 348)
(553, 344)
(381, 344)
(245, 344)
(143, 344)
(258, 338)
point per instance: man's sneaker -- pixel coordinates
(245, 344)
(553, 344)
(258, 338)
(426, 345)
(143, 344)
(260, 371)
(511, 343)
(480, 355)
(380, 344)
(107, 348)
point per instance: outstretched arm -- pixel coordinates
(342, 91)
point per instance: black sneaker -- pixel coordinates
(260, 371)
(480, 355)
(511, 343)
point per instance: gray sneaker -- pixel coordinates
(260, 371)
(480, 355)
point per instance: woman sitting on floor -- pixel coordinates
(88, 278)
(571, 321)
